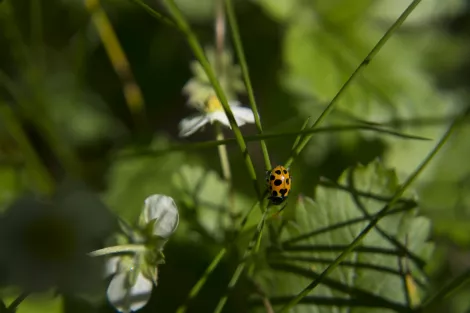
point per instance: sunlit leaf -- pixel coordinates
(375, 273)
(208, 196)
(327, 41)
(132, 180)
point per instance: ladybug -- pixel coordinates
(279, 183)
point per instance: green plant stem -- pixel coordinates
(225, 165)
(220, 71)
(130, 248)
(358, 70)
(155, 14)
(444, 291)
(257, 246)
(211, 144)
(131, 90)
(219, 27)
(376, 218)
(199, 53)
(241, 266)
(14, 305)
(200, 283)
(299, 137)
(37, 169)
(223, 155)
(197, 287)
(246, 77)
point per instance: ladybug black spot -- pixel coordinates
(287, 181)
(270, 188)
(274, 193)
(278, 172)
(272, 177)
(285, 172)
(277, 182)
(283, 191)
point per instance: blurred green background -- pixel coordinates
(57, 77)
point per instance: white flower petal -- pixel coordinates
(234, 103)
(111, 265)
(162, 208)
(243, 115)
(190, 125)
(219, 116)
(125, 299)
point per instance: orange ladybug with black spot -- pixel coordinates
(279, 183)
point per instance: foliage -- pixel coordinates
(93, 91)
(375, 272)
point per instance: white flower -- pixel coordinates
(214, 112)
(126, 297)
(163, 209)
(135, 276)
(44, 241)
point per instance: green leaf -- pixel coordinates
(132, 180)
(373, 274)
(324, 43)
(428, 11)
(206, 195)
(445, 193)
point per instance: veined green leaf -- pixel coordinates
(374, 275)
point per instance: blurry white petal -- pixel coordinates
(127, 298)
(234, 103)
(220, 117)
(243, 115)
(162, 208)
(111, 265)
(190, 125)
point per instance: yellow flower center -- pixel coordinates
(213, 104)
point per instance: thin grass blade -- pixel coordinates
(246, 77)
(377, 217)
(353, 76)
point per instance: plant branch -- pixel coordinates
(246, 77)
(155, 14)
(199, 53)
(14, 305)
(211, 144)
(130, 248)
(353, 76)
(132, 93)
(377, 217)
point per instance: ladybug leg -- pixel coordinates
(278, 213)
(283, 207)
